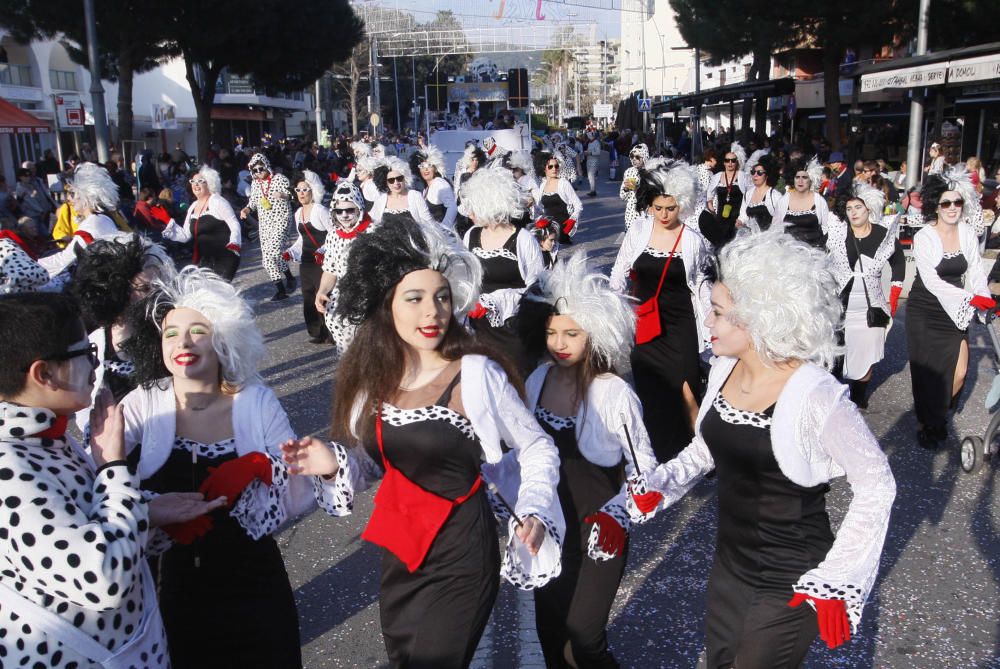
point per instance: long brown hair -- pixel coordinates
(374, 363)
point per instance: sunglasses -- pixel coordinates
(303, 190)
(197, 182)
(758, 173)
(259, 170)
(729, 160)
(552, 166)
(350, 211)
(395, 180)
(947, 204)
(89, 351)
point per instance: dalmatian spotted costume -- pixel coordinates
(270, 199)
(640, 151)
(335, 251)
(19, 273)
(75, 589)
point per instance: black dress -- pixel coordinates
(310, 273)
(501, 270)
(225, 599)
(211, 236)
(574, 607)
(771, 532)
(393, 216)
(662, 366)
(433, 618)
(555, 208)
(934, 342)
(805, 227)
(717, 228)
(760, 214)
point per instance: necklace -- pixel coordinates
(194, 408)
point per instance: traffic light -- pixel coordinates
(517, 87)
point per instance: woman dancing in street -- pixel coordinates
(212, 224)
(555, 195)
(630, 181)
(396, 199)
(270, 200)
(438, 192)
(717, 221)
(802, 212)
(313, 224)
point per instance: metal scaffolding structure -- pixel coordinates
(502, 39)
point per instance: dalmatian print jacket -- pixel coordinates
(19, 273)
(71, 541)
(275, 190)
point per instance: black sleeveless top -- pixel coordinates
(554, 207)
(310, 235)
(500, 266)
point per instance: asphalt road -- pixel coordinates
(935, 605)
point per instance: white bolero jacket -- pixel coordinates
(928, 252)
(696, 251)
(817, 434)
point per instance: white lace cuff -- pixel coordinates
(853, 597)
(526, 571)
(260, 509)
(336, 496)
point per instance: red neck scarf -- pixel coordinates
(14, 237)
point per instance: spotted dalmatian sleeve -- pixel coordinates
(158, 541)
(357, 472)
(261, 508)
(18, 272)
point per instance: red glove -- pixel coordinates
(831, 614)
(478, 311)
(230, 478)
(611, 535)
(186, 532)
(319, 257)
(981, 302)
(648, 501)
(286, 256)
(568, 225)
(894, 294)
(235, 248)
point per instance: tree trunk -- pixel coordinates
(126, 78)
(204, 99)
(832, 55)
(762, 62)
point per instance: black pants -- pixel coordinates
(574, 609)
(309, 277)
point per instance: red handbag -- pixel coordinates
(407, 518)
(647, 325)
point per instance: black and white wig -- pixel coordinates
(813, 168)
(785, 295)
(674, 178)
(212, 179)
(315, 185)
(379, 260)
(873, 199)
(491, 197)
(956, 179)
(391, 164)
(431, 156)
(541, 159)
(770, 165)
(93, 189)
(235, 337)
(573, 289)
(543, 227)
(106, 273)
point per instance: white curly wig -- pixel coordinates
(370, 163)
(522, 160)
(753, 160)
(785, 294)
(491, 196)
(397, 165)
(959, 179)
(431, 154)
(93, 189)
(676, 178)
(360, 150)
(741, 154)
(873, 198)
(315, 184)
(212, 179)
(814, 169)
(235, 336)
(573, 289)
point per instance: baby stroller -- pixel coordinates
(975, 449)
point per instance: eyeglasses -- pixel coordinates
(350, 211)
(395, 180)
(89, 351)
(947, 204)
(197, 182)
(758, 173)
(303, 190)
(729, 160)
(425, 166)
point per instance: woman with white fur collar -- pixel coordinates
(395, 196)
(312, 225)
(429, 410)
(861, 245)
(950, 287)
(630, 181)
(802, 212)
(94, 198)
(511, 259)
(428, 162)
(555, 195)
(577, 397)
(211, 223)
(725, 197)
(777, 427)
(666, 255)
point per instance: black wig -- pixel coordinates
(102, 281)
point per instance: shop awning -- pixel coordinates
(17, 121)
(954, 66)
(751, 89)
